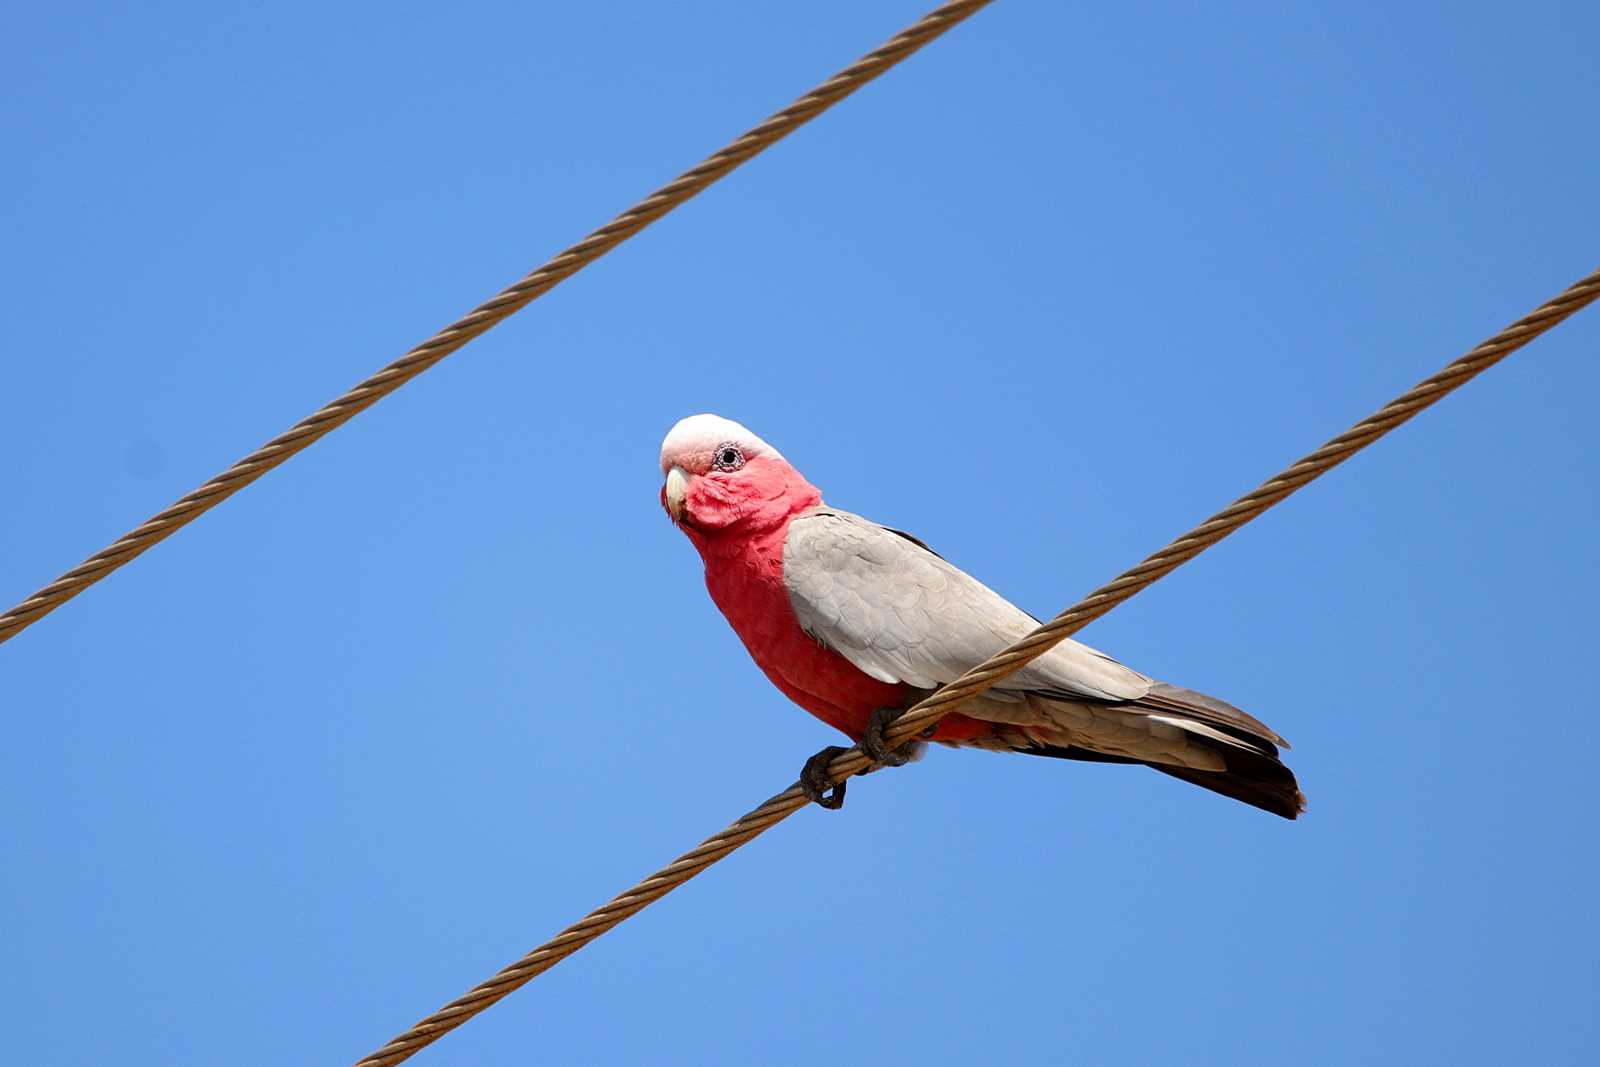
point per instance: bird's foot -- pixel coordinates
(814, 781)
(877, 747)
(825, 793)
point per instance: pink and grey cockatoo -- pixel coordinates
(855, 622)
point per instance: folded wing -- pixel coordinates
(902, 614)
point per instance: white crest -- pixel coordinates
(691, 442)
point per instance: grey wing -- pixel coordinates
(900, 613)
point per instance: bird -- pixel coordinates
(855, 622)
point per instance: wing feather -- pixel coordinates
(900, 613)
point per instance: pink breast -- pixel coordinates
(745, 579)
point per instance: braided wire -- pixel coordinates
(486, 315)
(928, 712)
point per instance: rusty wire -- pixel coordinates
(920, 717)
(316, 426)
(928, 713)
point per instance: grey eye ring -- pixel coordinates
(727, 457)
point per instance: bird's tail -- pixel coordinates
(1257, 778)
(1248, 747)
(1176, 731)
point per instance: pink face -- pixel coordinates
(717, 473)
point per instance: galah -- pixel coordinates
(855, 622)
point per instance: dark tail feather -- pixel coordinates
(1256, 778)
(1253, 777)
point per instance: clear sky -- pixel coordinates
(1063, 284)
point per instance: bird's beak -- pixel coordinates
(677, 488)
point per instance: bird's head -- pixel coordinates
(720, 475)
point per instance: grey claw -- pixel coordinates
(877, 749)
(814, 782)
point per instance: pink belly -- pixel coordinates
(751, 594)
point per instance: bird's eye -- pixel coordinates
(728, 458)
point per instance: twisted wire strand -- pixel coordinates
(928, 712)
(568, 262)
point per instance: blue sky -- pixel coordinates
(1061, 285)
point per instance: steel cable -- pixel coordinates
(914, 721)
(927, 713)
(318, 425)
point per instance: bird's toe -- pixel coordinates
(815, 783)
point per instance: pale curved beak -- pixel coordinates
(677, 489)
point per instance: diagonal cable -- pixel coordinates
(1003, 663)
(314, 427)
